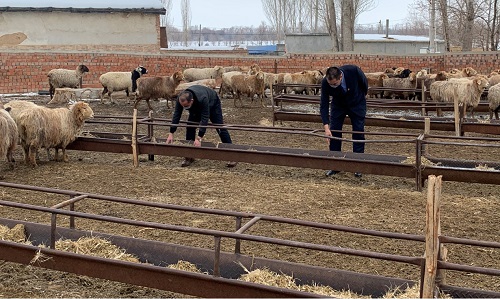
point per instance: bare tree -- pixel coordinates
(347, 25)
(186, 20)
(165, 20)
(443, 6)
(469, 24)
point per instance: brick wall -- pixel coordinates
(22, 72)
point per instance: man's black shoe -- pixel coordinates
(331, 172)
(358, 174)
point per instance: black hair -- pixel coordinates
(185, 95)
(333, 72)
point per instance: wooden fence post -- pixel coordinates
(432, 231)
(135, 155)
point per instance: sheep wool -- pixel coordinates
(8, 136)
(118, 81)
(157, 87)
(51, 128)
(59, 78)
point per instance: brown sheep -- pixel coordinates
(375, 80)
(51, 128)
(250, 85)
(465, 72)
(157, 87)
(304, 77)
(8, 136)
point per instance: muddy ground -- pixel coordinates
(373, 202)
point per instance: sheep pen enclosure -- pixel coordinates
(372, 202)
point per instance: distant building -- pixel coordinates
(83, 25)
(363, 43)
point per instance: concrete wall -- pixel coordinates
(322, 43)
(79, 31)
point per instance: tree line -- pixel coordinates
(468, 24)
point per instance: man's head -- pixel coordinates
(186, 99)
(333, 76)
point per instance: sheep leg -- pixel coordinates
(149, 105)
(104, 91)
(56, 155)
(64, 155)
(31, 157)
(496, 112)
(10, 159)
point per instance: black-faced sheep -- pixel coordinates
(118, 81)
(8, 136)
(65, 78)
(157, 87)
(194, 74)
(494, 100)
(51, 128)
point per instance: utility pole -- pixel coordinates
(432, 27)
(199, 38)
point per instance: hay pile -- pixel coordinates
(96, 247)
(185, 266)
(485, 167)
(15, 234)
(424, 161)
(270, 278)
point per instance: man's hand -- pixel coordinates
(328, 133)
(170, 138)
(197, 141)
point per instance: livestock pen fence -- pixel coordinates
(81, 215)
(412, 157)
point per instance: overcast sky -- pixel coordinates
(228, 13)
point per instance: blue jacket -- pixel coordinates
(353, 99)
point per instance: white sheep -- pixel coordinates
(494, 100)
(8, 136)
(194, 74)
(465, 72)
(16, 107)
(51, 128)
(210, 83)
(65, 78)
(118, 81)
(157, 87)
(400, 83)
(466, 91)
(307, 77)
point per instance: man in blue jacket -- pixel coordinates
(347, 87)
(203, 105)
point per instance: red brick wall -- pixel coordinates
(22, 72)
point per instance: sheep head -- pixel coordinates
(178, 76)
(481, 82)
(470, 71)
(82, 69)
(81, 111)
(141, 70)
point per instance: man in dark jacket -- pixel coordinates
(203, 105)
(347, 86)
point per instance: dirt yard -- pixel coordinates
(373, 202)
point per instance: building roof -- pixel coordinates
(81, 6)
